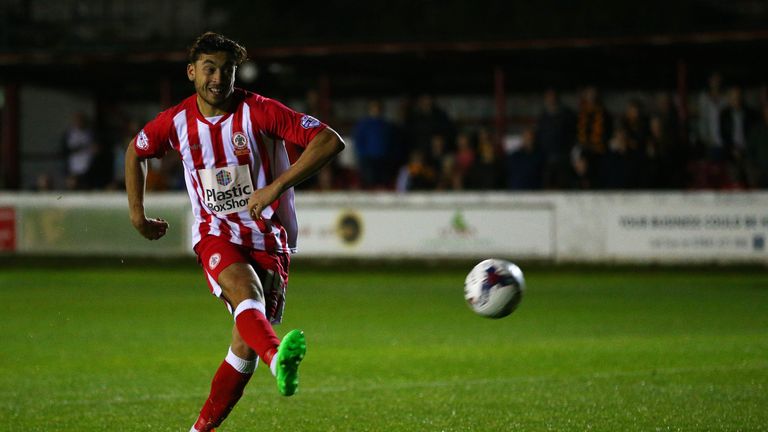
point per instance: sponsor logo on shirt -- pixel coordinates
(142, 142)
(226, 190)
(309, 122)
(240, 142)
(223, 177)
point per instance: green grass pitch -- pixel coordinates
(134, 349)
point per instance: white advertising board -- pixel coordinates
(583, 227)
(687, 228)
(426, 231)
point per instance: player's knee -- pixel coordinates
(241, 284)
(249, 289)
(245, 290)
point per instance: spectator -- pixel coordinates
(555, 136)
(581, 172)
(126, 134)
(425, 121)
(634, 125)
(736, 120)
(594, 128)
(486, 173)
(447, 170)
(757, 151)
(667, 112)
(318, 105)
(465, 158)
(374, 146)
(667, 144)
(79, 147)
(711, 103)
(44, 183)
(101, 170)
(441, 161)
(665, 160)
(618, 169)
(417, 174)
(400, 152)
(595, 125)
(173, 167)
(157, 177)
(524, 167)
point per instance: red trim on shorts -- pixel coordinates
(229, 253)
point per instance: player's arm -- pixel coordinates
(135, 185)
(323, 147)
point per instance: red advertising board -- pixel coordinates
(7, 229)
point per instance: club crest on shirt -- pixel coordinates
(240, 142)
(309, 122)
(214, 261)
(142, 142)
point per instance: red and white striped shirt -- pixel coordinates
(225, 161)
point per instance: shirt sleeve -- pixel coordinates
(154, 140)
(291, 126)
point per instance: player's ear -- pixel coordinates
(191, 71)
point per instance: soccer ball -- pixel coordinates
(494, 288)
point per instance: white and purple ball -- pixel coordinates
(494, 288)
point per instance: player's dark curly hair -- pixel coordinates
(210, 42)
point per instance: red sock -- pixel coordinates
(256, 330)
(226, 389)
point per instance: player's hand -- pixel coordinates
(150, 228)
(261, 198)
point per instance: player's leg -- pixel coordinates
(243, 291)
(241, 287)
(273, 272)
(231, 275)
(232, 278)
(240, 347)
(228, 384)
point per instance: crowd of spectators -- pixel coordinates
(94, 158)
(717, 142)
(647, 146)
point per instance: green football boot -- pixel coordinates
(289, 354)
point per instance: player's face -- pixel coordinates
(214, 78)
